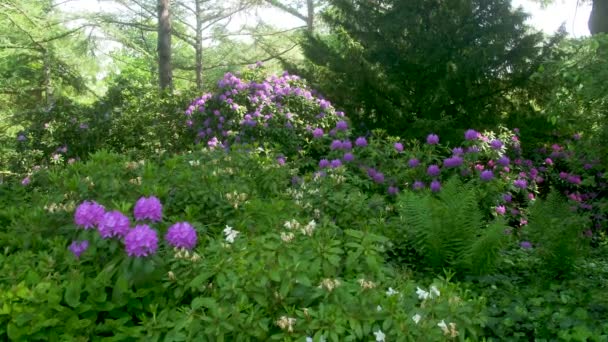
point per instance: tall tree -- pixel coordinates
(293, 8)
(598, 19)
(407, 65)
(41, 56)
(165, 71)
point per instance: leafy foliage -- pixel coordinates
(448, 231)
(559, 234)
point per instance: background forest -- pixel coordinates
(184, 170)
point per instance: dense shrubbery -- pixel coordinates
(296, 230)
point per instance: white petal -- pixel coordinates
(416, 318)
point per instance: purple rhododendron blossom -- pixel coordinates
(435, 186)
(432, 139)
(342, 125)
(452, 162)
(457, 151)
(336, 145)
(507, 198)
(471, 134)
(433, 170)
(361, 142)
(393, 190)
(413, 162)
(323, 163)
(501, 210)
(181, 235)
(504, 161)
(487, 175)
(378, 177)
(26, 181)
(141, 241)
(418, 185)
(148, 208)
(473, 149)
(113, 224)
(336, 163)
(520, 183)
(78, 247)
(89, 214)
(526, 244)
(496, 144)
(398, 146)
(348, 157)
(347, 145)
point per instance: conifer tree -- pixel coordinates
(420, 64)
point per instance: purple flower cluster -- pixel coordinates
(432, 139)
(471, 134)
(78, 247)
(181, 235)
(267, 104)
(486, 175)
(141, 241)
(114, 224)
(433, 170)
(361, 142)
(148, 208)
(452, 162)
(89, 214)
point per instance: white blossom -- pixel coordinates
(391, 292)
(416, 318)
(309, 228)
(230, 234)
(287, 237)
(379, 335)
(308, 339)
(444, 327)
(378, 308)
(286, 323)
(421, 293)
(434, 291)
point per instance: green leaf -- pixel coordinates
(206, 302)
(199, 279)
(72, 292)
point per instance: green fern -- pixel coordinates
(448, 230)
(557, 233)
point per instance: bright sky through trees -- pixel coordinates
(548, 19)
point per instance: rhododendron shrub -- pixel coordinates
(507, 177)
(250, 108)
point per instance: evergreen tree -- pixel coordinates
(410, 66)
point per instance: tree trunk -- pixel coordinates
(199, 45)
(48, 82)
(598, 20)
(165, 75)
(310, 6)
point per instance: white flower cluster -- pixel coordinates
(433, 292)
(286, 323)
(329, 284)
(182, 253)
(307, 230)
(236, 199)
(230, 234)
(448, 329)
